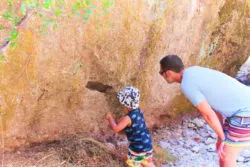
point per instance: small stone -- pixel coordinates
(187, 146)
(122, 143)
(190, 143)
(198, 122)
(173, 142)
(246, 153)
(213, 135)
(209, 141)
(195, 149)
(164, 145)
(110, 146)
(246, 159)
(178, 132)
(181, 142)
(188, 133)
(197, 139)
(240, 159)
(204, 134)
(191, 125)
(211, 148)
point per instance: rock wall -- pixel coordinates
(64, 82)
(243, 75)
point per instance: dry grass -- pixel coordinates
(75, 151)
(70, 152)
(162, 156)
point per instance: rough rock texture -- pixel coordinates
(243, 75)
(64, 82)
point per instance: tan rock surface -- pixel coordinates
(64, 82)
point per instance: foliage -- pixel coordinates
(1, 58)
(16, 11)
(162, 156)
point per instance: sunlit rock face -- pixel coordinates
(64, 81)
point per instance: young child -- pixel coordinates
(133, 123)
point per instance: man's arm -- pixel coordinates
(211, 118)
(220, 117)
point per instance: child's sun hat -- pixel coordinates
(129, 97)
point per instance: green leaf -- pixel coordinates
(45, 24)
(75, 8)
(42, 31)
(7, 15)
(105, 11)
(107, 3)
(77, 13)
(110, 24)
(1, 27)
(78, 4)
(60, 1)
(16, 20)
(49, 21)
(89, 11)
(57, 12)
(13, 35)
(97, 27)
(55, 26)
(12, 45)
(11, 3)
(2, 57)
(23, 8)
(31, 5)
(88, 2)
(47, 4)
(86, 16)
(37, 4)
(41, 16)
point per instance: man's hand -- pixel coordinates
(219, 148)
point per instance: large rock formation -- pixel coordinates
(65, 81)
(243, 75)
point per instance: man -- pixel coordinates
(215, 95)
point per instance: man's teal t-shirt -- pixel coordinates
(223, 93)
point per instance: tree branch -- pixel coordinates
(7, 43)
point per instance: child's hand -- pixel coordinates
(108, 115)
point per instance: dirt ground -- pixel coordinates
(77, 151)
(88, 150)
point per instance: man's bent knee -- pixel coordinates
(227, 160)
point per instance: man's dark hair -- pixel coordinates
(171, 62)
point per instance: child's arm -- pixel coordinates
(125, 121)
